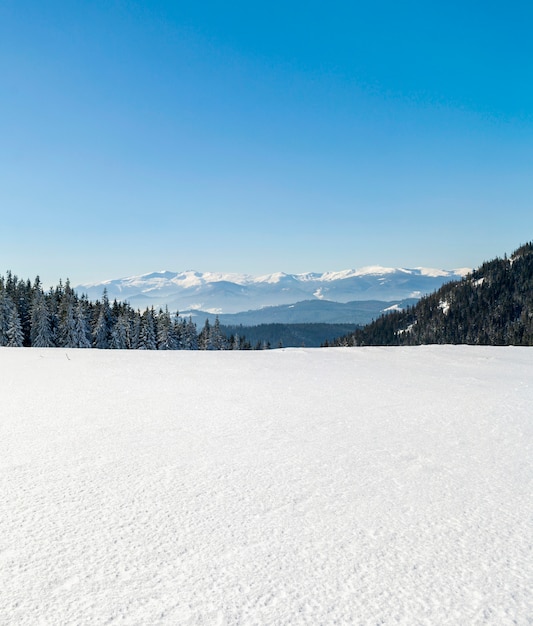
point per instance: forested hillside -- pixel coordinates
(491, 306)
(287, 335)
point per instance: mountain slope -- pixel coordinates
(232, 293)
(491, 306)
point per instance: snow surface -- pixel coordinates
(394, 307)
(444, 306)
(326, 486)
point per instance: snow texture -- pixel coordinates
(326, 486)
(444, 306)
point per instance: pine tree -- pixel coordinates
(204, 337)
(134, 330)
(178, 331)
(66, 327)
(147, 338)
(4, 318)
(166, 336)
(190, 336)
(23, 301)
(41, 331)
(81, 325)
(15, 336)
(235, 342)
(217, 340)
(102, 328)
(120, 333)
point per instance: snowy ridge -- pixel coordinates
(232, 293)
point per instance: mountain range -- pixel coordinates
(218, 293)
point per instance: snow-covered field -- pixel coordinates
(332, 486)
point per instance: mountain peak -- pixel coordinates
(163, 274)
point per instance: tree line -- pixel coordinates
(59, 317)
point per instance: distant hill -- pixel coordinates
(287, 335)
(491, 306)
(307, 312)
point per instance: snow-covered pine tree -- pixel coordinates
(134, 329)
(166, 338)
(190, 335)
(120, 332)
(66, 323)
(102, 328)
(54, 299)
(3, 314)
(15, 336)
(41, 331)
(217, 339)
(23, 302)
(204, 337)
(81, 324)
(147, 337)
(11, 333)
(178, 330)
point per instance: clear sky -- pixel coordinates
(262, 136)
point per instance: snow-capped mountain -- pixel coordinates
(233, 293)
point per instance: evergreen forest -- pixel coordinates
(288, 335)
(493, 305)
(61, 318)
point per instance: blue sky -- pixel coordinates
(262, 136)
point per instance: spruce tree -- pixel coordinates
(4, 317)
(204, 337)
(66, 327)
(147, 338)
(120, 332)
(217, 340)
(166, 337)
(15, 336)
(190, 336)
(81, 325)
(41, 331)
(102, 328)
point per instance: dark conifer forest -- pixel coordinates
(491, 306)
(61, 318)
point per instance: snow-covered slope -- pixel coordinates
(339, 486)
(232, 293)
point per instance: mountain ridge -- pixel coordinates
(358, 312)
(218, 292)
